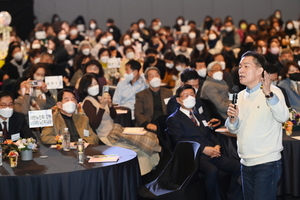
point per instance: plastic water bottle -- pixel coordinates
(1, 137)
(66, 140)
(80, 151)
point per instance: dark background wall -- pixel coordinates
(126, 11)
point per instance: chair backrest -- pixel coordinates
(181, 167)
(163, 136)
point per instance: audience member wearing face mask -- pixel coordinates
(32, 93)
(15, 63)
(67, 117)
(290, 75)
(79, 64)
(200, 51)
(216, 89)
(171, 74)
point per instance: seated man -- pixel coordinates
(77, 124)
(190, 76)
(152, 60)
(150, 103)
(186, 125)
(216, 89)
(13, 124)
(133, 83)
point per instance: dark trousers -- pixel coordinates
(209, 168)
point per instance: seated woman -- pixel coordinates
(290, 82)
(100, 112)
(29, 96)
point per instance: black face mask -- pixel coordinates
(151, 59)
(112, 48)
(295, 76)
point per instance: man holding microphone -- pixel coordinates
(257, 121)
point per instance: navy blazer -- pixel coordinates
(182, 128)
(18, 124)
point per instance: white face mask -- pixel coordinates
(130, 55)
(218, 76)
(36, 60)
(212, 36)
(170, 65)
(263, 50)
(180, 22)
(6, 112)
(156, 27)
(202, 72)
(189, 102)
(223, 65)
(74, 32)
(128, 77)
(179, 68)
(18, 56)
(192, 35)
(136, 35)
(69, 107)
(103, 41)
(127, 42)
(109, 38)
(155, 82)
(86, 51)
(104, 59)
(94, 90)
(200, 47)
(289, 26)
(62, 37)
(36, 46)
(141, 25)
(38, 78)
(92, 26)
(274, 50)
(229, 28)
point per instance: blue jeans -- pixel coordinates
(260, 182)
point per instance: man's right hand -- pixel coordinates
(152, 127)
(232, 112)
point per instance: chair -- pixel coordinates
(178, 177)
(166, 152)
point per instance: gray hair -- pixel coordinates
(210, 65)
(150, 68)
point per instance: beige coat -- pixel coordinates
(81, 122)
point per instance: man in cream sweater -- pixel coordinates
(257, 121)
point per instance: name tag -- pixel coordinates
(86, 133)
(15, 137)
(204, 123)
(200, 110)
(166, 100)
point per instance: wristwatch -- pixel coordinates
(269, 95)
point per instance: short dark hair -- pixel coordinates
(169, 56)
(103, 50)
(258, 59)
(182, 88)
(285, 69)
(6, 94)
(134, 65)
(97, 63)
(126, 48)
(110, 20)
(61, 93)
(197, 60)
(182, 59)
(271, 68)
(189, 74)
(150, 51)
(84, 84)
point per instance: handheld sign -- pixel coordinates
(54, 82)
(114, 63)
(40, 118)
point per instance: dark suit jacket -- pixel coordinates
(181, 128)
(144, 108)
(18, 124)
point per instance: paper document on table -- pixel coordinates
(296, 137)
(134, 131)
(222, 130)
(121, 111)
(104, 158)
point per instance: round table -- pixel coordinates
(59, 176)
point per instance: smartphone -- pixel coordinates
(105, 89)
(36, 83)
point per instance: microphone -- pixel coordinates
(235, 91)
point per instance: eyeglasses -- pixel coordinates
(187, 95)
(7, 105)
